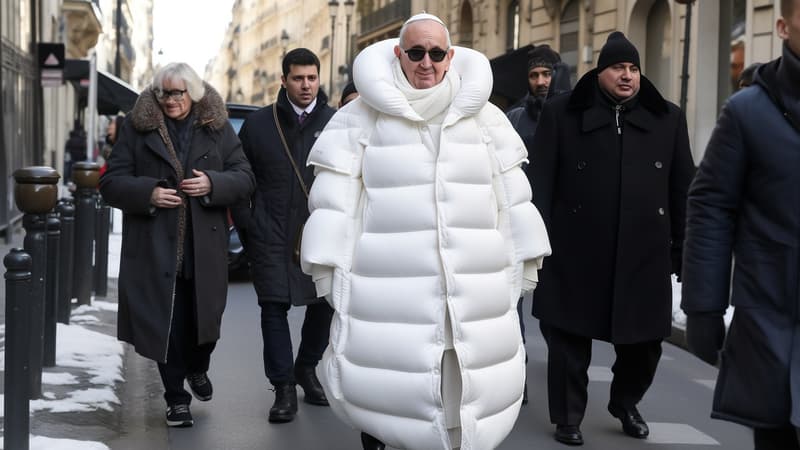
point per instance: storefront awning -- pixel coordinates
(113, 94)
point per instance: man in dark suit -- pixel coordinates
(277, 152)
(610, 168)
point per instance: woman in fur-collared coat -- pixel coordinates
(176, 167)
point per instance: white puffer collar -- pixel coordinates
(372, 75)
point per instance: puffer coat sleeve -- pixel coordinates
(330, 232)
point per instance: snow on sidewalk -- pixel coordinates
(88, 367)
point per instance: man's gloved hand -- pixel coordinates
(705, 333)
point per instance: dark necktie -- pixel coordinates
(302, 117)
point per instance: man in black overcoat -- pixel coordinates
(745, 201)
(610, 168)
(279, 209)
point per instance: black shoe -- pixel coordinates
(569, 434)
(179, 416)
(371, 443)
(525, 395)
(306, 377)
(200, 386)
(285, 406)
(632, 422)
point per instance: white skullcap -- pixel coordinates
(424, 16)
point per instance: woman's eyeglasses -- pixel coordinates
(174, 94)
(417, 53)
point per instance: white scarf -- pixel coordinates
(429, 102)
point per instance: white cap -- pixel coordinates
(424, 16)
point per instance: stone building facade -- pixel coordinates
(724, 36)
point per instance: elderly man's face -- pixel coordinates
(430, 37)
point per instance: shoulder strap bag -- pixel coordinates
(298, 241)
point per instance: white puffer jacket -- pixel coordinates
(402, 233)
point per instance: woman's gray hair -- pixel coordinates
(180, 71)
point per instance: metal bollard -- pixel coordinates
(35, 193)
(16, 423)
(86, 175)
(101, 248)
(51, 290)
(66, 210)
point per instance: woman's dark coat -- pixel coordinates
(614, 207)
(141, 161)
(279, 206)
(745, 201)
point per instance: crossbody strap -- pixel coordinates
(286, 147)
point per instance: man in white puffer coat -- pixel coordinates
(422, 236)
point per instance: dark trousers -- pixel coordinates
(278, 365)
(184, 356)
(785, 438)
(568, 359)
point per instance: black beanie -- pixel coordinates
(542, 56)
(618, 49)
(350, 88)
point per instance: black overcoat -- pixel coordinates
(614, 207)
(141, 161)
(279, 206)
(745, 201)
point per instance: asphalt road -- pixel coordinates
(676, 407)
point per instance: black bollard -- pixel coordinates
(16, 423)
(101, 248)
(85, 174)
(66, 211)
(35, 194)
(51, 290)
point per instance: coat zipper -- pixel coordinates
(617, 109)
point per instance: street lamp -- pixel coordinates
(686, 36)
(349, 5)
(284, 42)
(333, 9)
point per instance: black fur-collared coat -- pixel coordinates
(613, 199)
(144, 158)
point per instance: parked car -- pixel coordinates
(238, 216)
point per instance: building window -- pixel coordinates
(512, 25)
(569, 39)
(465, 25)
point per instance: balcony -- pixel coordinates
(396, 11)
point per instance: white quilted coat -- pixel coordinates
(401, 234)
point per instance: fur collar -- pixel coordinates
(210, 111)
(583, 96)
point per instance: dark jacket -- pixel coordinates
(614, 207)
(279, 207)
(151, 237)
(745, 201)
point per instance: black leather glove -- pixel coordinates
(705, 333)
(677, 261)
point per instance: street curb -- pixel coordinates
(678, 337)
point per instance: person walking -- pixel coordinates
(610, 167)
(276, 140)
(744, 201)
(544, 67)
(176, 166)
(421, 237)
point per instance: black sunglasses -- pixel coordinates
(417, 53)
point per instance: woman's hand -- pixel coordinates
(198, 186)
(165, 198)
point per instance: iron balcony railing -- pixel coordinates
(398, 10)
